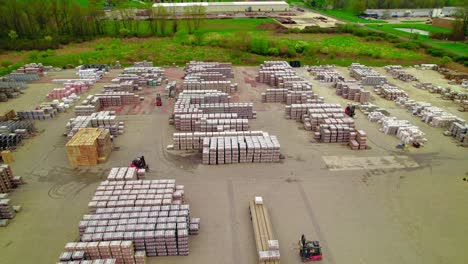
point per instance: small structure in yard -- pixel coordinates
(226, 7)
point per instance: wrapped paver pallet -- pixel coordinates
(366, 75)
(147, 216)
(267, 246)
(7, 180)
(89, 147)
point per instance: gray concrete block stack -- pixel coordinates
(366, 75)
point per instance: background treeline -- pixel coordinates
(45, 24)
(384, 4)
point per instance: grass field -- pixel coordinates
(459, 48)
(412, 21)
(349, 16)
(391, 28)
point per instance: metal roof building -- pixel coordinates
(223, 7)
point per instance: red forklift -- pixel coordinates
(158, 100)
(309, 250)
(139, 163)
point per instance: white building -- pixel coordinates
(225, 7)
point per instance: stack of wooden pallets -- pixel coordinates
(89, 147)
(267, 246)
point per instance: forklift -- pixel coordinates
(158, 100)
(309, 250)
(139, 163)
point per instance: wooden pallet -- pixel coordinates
(262, 228)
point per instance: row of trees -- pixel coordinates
(363, 4)
(50, 22)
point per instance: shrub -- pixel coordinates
(409, 45)
(301, 46)
(273, 51)
(6, 63)
(324, 50)
(99, 47)
(445, 60)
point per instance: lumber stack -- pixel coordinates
(267, 246)
(89, 146)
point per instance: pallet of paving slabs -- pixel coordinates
(262, 228)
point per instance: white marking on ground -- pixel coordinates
(340, 163)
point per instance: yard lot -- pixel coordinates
(374, 214)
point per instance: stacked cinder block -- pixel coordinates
(402, 129)
(147, 216)
(72, 87)
(222, 86)
(366, 75)
(7, 180)
(398, 72)
(126, 174)
(241, 149)
(352, 91)
(325, 73)
(459, 132)
(194, 141)
(390, 92)
(191, 122)
(203, 97)
(224, 68)
(102, 119)
(117, 99)
(124, 86)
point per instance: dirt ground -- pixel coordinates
(310, 18)
(395, 206)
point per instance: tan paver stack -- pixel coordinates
(267, 246)
(89, 147)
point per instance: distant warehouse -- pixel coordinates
(225, 7)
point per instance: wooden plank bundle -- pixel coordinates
(241, 149)
(267, 246)
(89, 146)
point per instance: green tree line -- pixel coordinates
(43, 24)
(383, 4)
